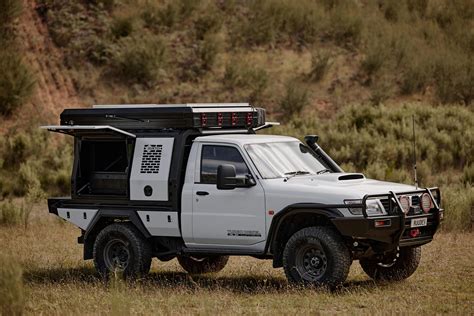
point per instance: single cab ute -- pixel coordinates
(195, 182)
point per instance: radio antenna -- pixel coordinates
(414, 152)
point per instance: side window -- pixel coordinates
(213, 156)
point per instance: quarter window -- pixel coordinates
(213, 156)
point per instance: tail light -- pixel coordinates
(426, 204)
(405, 203)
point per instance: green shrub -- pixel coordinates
(468, 175)
(247, 78)
(209, 23)
(16, 81)
(12, 293)
(380, 90)
(294, 101)
(320, 64)
(11, 214)
(271, 21)
(9, 11)
(374, 58)
(122, 26)
(140, 59)
(345, 24)
(454, 75)
(458, 201)
(201, 59)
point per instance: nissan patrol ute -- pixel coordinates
(195, 182)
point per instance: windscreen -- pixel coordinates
(280, 159)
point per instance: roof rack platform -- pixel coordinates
(163, 116)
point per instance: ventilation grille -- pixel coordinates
(151, 159)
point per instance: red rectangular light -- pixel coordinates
(203, 119)
(233, 119)
(383, 223)
(220, 119)
(249, 119)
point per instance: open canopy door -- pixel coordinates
(85, 130)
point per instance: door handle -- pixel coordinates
(202, 193)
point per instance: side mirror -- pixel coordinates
(227, 179)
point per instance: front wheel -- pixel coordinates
(395, 268)
(316, 256)
(120, 248)
(203, 264)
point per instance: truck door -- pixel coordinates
(226, 217)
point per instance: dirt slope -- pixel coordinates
(54, 89)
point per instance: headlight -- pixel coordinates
(374, 207)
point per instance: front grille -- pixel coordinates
(415, 200)
(386, 204)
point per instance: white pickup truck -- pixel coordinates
(196, 183)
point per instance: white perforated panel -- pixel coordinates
(151, 169)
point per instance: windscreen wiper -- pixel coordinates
(323, 171)
(291, 174)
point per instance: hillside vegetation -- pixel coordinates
(353, 72)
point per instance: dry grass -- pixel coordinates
(57, 281)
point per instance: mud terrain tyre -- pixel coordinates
(121, 248)
(399, 269)
(198, 265)
(316, 256)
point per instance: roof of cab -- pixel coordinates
(242, 139)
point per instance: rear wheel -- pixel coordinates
(206, 264)
(316, 256)
(394, 268)
(120, 248)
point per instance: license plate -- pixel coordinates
(419, 222)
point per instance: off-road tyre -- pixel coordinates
(399, 269)
(328, 262)
(120, 248)
(199, 265)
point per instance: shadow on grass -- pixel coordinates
(183, 281)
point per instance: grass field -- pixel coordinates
(57, 281)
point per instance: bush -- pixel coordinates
(248, 79)
(201, 59)
(345, 24)
(9, 11)
(140, 60)
(468, 175)
(11, 214)
(454, 75)
(459, 204)
(209, 23)
(12, 294)
(271, 21)
(16, 81)
(294, 101)
(122, 26)
(320, 63)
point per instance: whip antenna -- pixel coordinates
(414, 152)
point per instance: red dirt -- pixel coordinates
(54, 89)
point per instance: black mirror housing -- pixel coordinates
(227, 179)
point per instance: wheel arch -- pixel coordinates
(102, 219)
(293, 218)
